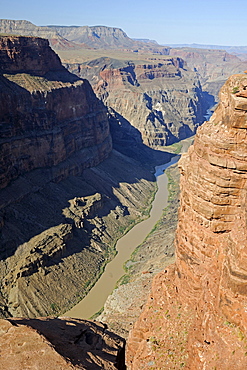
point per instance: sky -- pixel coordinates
(211, 22)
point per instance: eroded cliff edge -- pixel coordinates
(195, 317)
(59, 343)
(65, 195)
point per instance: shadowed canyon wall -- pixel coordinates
(157, 99)
(65, 195)
(195, 317)
(47, 114)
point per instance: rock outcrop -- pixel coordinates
(156, 99)
(47, 114)
(59, 343)
(196, 315)
(77, 37)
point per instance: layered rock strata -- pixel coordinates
(157, 99)
(47, 114)
(77, 37)
(60, 215)
(213, 66)
(59, 343)
(26, 28)
(196, 314)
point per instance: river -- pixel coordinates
(97, 296)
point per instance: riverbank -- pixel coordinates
(125, 246)
(97, 296)
(124, 305)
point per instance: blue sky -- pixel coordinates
(214, 22)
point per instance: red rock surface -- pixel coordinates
(196, 317)
(156, 100)
(58, 344)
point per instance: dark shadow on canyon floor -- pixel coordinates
(80, 341)
(40, 202)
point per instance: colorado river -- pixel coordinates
(97, 296)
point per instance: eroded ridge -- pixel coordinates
(196, 316)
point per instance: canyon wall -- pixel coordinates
(195, 317)
(26, 28)
(213, 66)
(65, 196)
(157, 99)
(47, 114)
(77, 37)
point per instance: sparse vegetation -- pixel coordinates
(235, 89)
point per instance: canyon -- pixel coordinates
(77, 172)
(66, 196)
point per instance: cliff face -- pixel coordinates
(156, 99)
(25, 28)
(213, 66)
(75, 37)
(102, 37)
(47, 114)
(65, 195)
(196, 315)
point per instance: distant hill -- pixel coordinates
(237, 50)
(102, 37)
(26, 28)
(74, 37)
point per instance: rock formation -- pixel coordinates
(25, 28)
(75, 37)
(35, 118)
(60, 215)
(213, 67)
(156, 99)
(195, 317)
(59, 343)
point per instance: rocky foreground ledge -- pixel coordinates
(59, 344)
(196, 316)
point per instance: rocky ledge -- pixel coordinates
(59, 343)
(195, 317)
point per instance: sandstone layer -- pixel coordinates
(77, 37)
(47, 114)
(156, 99)
(196, 316)
(59, 343)
(26, 28)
